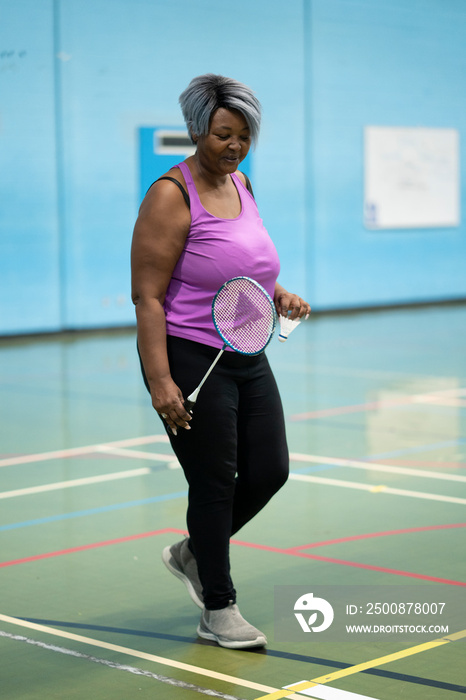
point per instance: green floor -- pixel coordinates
(375, 406)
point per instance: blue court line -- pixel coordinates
(381, 673)
(94, 511)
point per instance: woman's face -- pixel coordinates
(227, 143)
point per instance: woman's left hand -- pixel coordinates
(287, 302)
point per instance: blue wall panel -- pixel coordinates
(79, 79)
(388, 63)
(124, 65)
(29, 236)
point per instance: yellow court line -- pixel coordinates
(142, 655)
(304, 685)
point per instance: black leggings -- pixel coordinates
(235, 457)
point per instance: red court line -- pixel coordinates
(355, 408)
(95, 545)
(372, 406)
(293, 551)
(370, 567)
(383, 569)
(376, 534)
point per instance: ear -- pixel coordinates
(194, 137)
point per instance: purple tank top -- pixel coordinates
(216, 250)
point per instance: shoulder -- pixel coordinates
(167, 191)
(174, 173)
(166, 201)
(243, 178)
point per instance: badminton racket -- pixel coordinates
(244, 317)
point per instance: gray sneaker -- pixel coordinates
(181, 562)
(229, 629)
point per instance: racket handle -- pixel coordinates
(189, 405)
(192, 398)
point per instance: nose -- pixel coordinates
(234, 144)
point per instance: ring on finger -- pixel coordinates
(164, 415)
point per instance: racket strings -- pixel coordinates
(244, 316)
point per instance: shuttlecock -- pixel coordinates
(287, 326)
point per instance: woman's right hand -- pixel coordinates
(168, 401)
(159, 237)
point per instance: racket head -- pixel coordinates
(244, 315)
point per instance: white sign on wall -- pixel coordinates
(411, 177)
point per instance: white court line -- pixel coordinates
(172, 463)
(119, 667)
(137, 454)
(141, 655)
(440, 393)
(75, 482)
(445, 397)
(443, 401)
(77, 451)
(376, 488)
(371, 466)
(324, 692)
(85, 481)
(169, 459)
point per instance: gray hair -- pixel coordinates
(207, 93)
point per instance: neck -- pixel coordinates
(213, 179)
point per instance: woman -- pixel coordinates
(197, 227)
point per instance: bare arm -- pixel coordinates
(158, 240)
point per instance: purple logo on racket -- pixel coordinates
(313, 606)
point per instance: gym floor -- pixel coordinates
(91, 494)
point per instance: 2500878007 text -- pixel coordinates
(395, 608)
